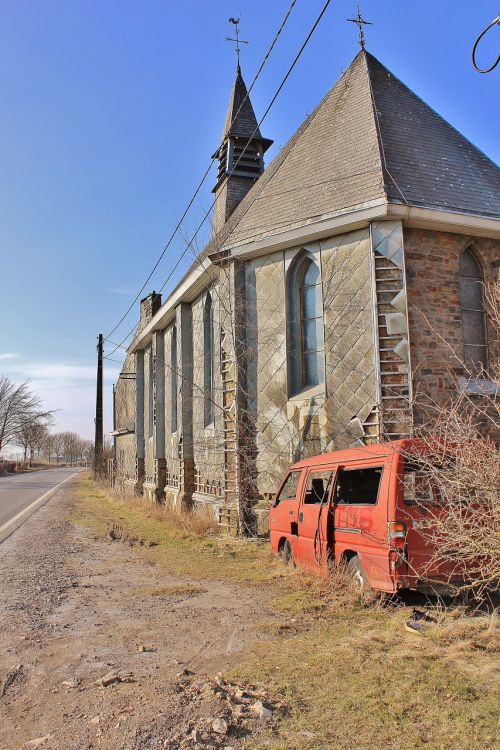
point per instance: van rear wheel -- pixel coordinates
(358, 580)
(286, 552)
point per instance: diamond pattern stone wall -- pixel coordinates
(330, 418)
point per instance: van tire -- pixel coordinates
(358, 580)
(286, 552)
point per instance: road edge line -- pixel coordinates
(8, 528)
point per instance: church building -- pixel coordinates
(335, 285)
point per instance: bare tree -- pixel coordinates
(31, 437)
(19, 407)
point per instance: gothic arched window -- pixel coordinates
(306, 361)
(173, 377)
(208, 360)
(473, 311)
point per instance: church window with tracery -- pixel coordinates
(473, 312)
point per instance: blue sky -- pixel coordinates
(110, 112)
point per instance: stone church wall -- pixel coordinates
(434, 307)
(125, 417)
(288, 429)
(349, 339)
(208, 441)
(173, 463)
(149, 461)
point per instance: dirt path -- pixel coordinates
(75, 606)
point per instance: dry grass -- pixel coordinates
(184, 544)
(359, 681)
(352, 677)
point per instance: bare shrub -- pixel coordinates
(461, 461)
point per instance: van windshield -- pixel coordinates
(289, 489)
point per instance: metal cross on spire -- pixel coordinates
(360, 22)
(238, 41)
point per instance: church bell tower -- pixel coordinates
(240, 154)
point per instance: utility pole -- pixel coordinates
(99, 434)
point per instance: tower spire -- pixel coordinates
(240, 154)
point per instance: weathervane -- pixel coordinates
(236, 22)
(360, 22)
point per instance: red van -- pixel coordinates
(361, 507)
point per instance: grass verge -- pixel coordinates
(181, 543)
(352, 677)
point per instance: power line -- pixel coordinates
(241, 156)
(205, 175)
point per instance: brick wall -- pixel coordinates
(434, 307)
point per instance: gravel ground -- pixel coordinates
(76, 607)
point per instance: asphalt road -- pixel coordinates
(19, 492)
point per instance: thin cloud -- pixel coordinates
(9, 355)
(120, 290)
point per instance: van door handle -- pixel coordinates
(301, 516)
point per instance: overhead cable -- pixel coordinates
(241, 156)
(205, 175)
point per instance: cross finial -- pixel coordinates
(360, 22)
(238, 41)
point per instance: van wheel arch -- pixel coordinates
(359, 580)
(346, 558)
(285, 550)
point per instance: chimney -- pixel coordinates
(149, 307)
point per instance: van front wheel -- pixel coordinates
(286, 552)
(358, 579)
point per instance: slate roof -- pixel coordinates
(240, 122)
(426, 161)
(370, 138)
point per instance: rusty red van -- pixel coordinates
(364, 508)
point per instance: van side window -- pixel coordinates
(358, 486)
(318, 487)
(289, 489)
(417, 489)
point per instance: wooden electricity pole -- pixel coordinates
(99, 434)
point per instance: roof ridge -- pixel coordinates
(367, 56)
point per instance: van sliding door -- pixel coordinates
(360, 519)
(311, 546)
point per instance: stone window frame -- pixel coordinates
(208, 361)
(469, 251)
(295, 319)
